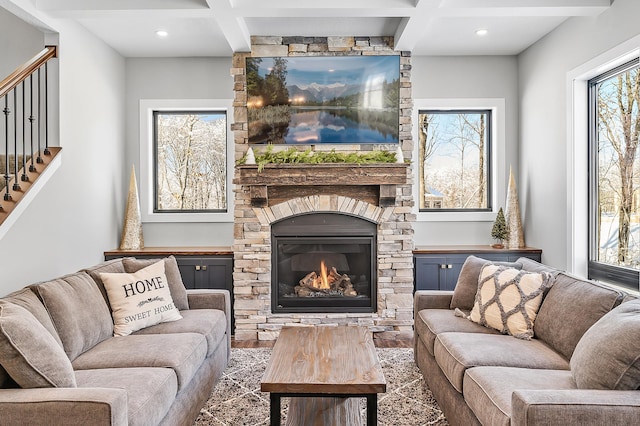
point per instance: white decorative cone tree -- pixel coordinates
(512, 215)
(251, 157)
(132, 229)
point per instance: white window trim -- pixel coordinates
(147, 107)
(577, 149)
(498, 158)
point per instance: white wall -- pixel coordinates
(176, 78)
(25, 41)
(543, 68)
(449, 77)
(78, 214)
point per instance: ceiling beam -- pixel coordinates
(233, 27)
(505, 8)
(412, 28)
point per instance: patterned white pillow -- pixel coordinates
(508, 299)
(140, 299)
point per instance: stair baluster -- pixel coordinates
(7, 111)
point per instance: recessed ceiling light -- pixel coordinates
(162, 33)
(480, 32)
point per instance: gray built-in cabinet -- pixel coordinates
(438, 267)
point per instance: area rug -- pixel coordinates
(237, 399)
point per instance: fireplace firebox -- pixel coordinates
(323, 262)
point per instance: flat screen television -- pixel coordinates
(323, 99)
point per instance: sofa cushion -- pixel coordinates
(28, 351)
(115, 266)
(150, 391)
(608, 354)
(171, 270)
(457, 352)
(488, 390)
(211, 323)
(29, 300)
(464, 293)
(531, 265)
(184, 353)
(570, 307)
(508, 299)
(78, 311)
(431, 322)
(139, 299)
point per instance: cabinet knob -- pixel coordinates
(449, 266)
(443, 266)
(197, 267)
(204, 267)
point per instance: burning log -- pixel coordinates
(331, 283)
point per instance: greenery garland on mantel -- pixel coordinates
(294, 156)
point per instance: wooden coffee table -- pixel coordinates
(324, 361)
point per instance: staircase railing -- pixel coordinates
(24, 129)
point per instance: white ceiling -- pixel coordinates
(220, 27)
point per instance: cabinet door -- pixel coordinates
(189, 269)
(451, 270)
(216, 273)
(428, 272)
(206, 272)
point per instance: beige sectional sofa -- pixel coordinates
(63, 365)
(582, 366)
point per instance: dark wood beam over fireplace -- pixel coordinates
(276, 183)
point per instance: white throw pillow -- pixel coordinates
(508, 299)
(139, 299)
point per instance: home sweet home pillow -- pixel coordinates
(508, 299)
(140, 299)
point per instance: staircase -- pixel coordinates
(25, 154)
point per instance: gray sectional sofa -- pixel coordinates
(63, 366)
(582, 366)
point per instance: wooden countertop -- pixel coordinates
(470, 248)
(176, 251)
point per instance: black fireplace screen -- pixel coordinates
(323, 262)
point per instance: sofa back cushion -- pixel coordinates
(29, 300)
(608, 355)
(113, 266)
(572, 306)
(172, 272)
(78, 311)
(531, 265)
(29, 353)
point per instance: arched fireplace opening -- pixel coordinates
(323, 262)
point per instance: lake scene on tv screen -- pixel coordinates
(323, 100)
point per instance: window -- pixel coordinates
(185, 160)
(454, 160)
(190, 172)
(614, 176)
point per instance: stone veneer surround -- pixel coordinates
(252, 224)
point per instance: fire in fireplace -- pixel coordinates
(325, 283)
(323, 262)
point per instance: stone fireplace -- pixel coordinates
(289, 218)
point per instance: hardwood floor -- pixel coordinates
(379, 343)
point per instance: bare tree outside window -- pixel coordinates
(190, 161)
(615, 101)
(454, 149)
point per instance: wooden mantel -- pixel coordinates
(275, 183)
